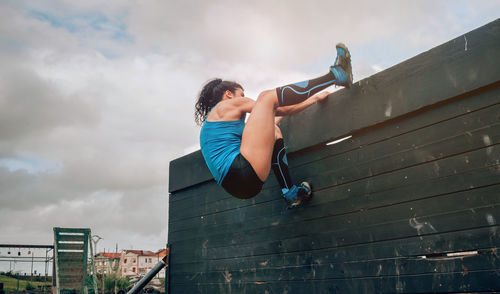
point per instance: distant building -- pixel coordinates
(136, 262)
(106, 263)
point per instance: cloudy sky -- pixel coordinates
(97, 97)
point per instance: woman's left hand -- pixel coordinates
(322, 95)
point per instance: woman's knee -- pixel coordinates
(268, 96)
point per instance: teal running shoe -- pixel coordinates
(342, 67)
(296, 196)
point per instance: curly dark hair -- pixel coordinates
(210, 95)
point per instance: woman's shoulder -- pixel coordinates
(226, 111)
(241, 100)
(233, 103)
(239, 106)
(244, 104)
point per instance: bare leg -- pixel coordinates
(259, 134)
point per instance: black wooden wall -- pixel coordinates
(409, 204)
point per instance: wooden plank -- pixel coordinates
(72, 238)
(71, 256)
(209, 196)
(71, 264)
(70, 283)
(187, 171)
(75, 273)
(70, 246)
(446, 71)
(64, 231)
(410, 148)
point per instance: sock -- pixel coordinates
(298, 92)
(279, 164)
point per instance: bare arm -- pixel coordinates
(246, 105)
(296, 108)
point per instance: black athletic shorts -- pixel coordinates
(241, 180)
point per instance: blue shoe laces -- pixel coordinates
(339, 74)
(291, 195)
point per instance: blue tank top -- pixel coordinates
(220, 143)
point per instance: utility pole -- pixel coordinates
(103, 270)
(115, 267)
(32, 259)
(95, 240)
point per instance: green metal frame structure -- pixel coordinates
(72, 259)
